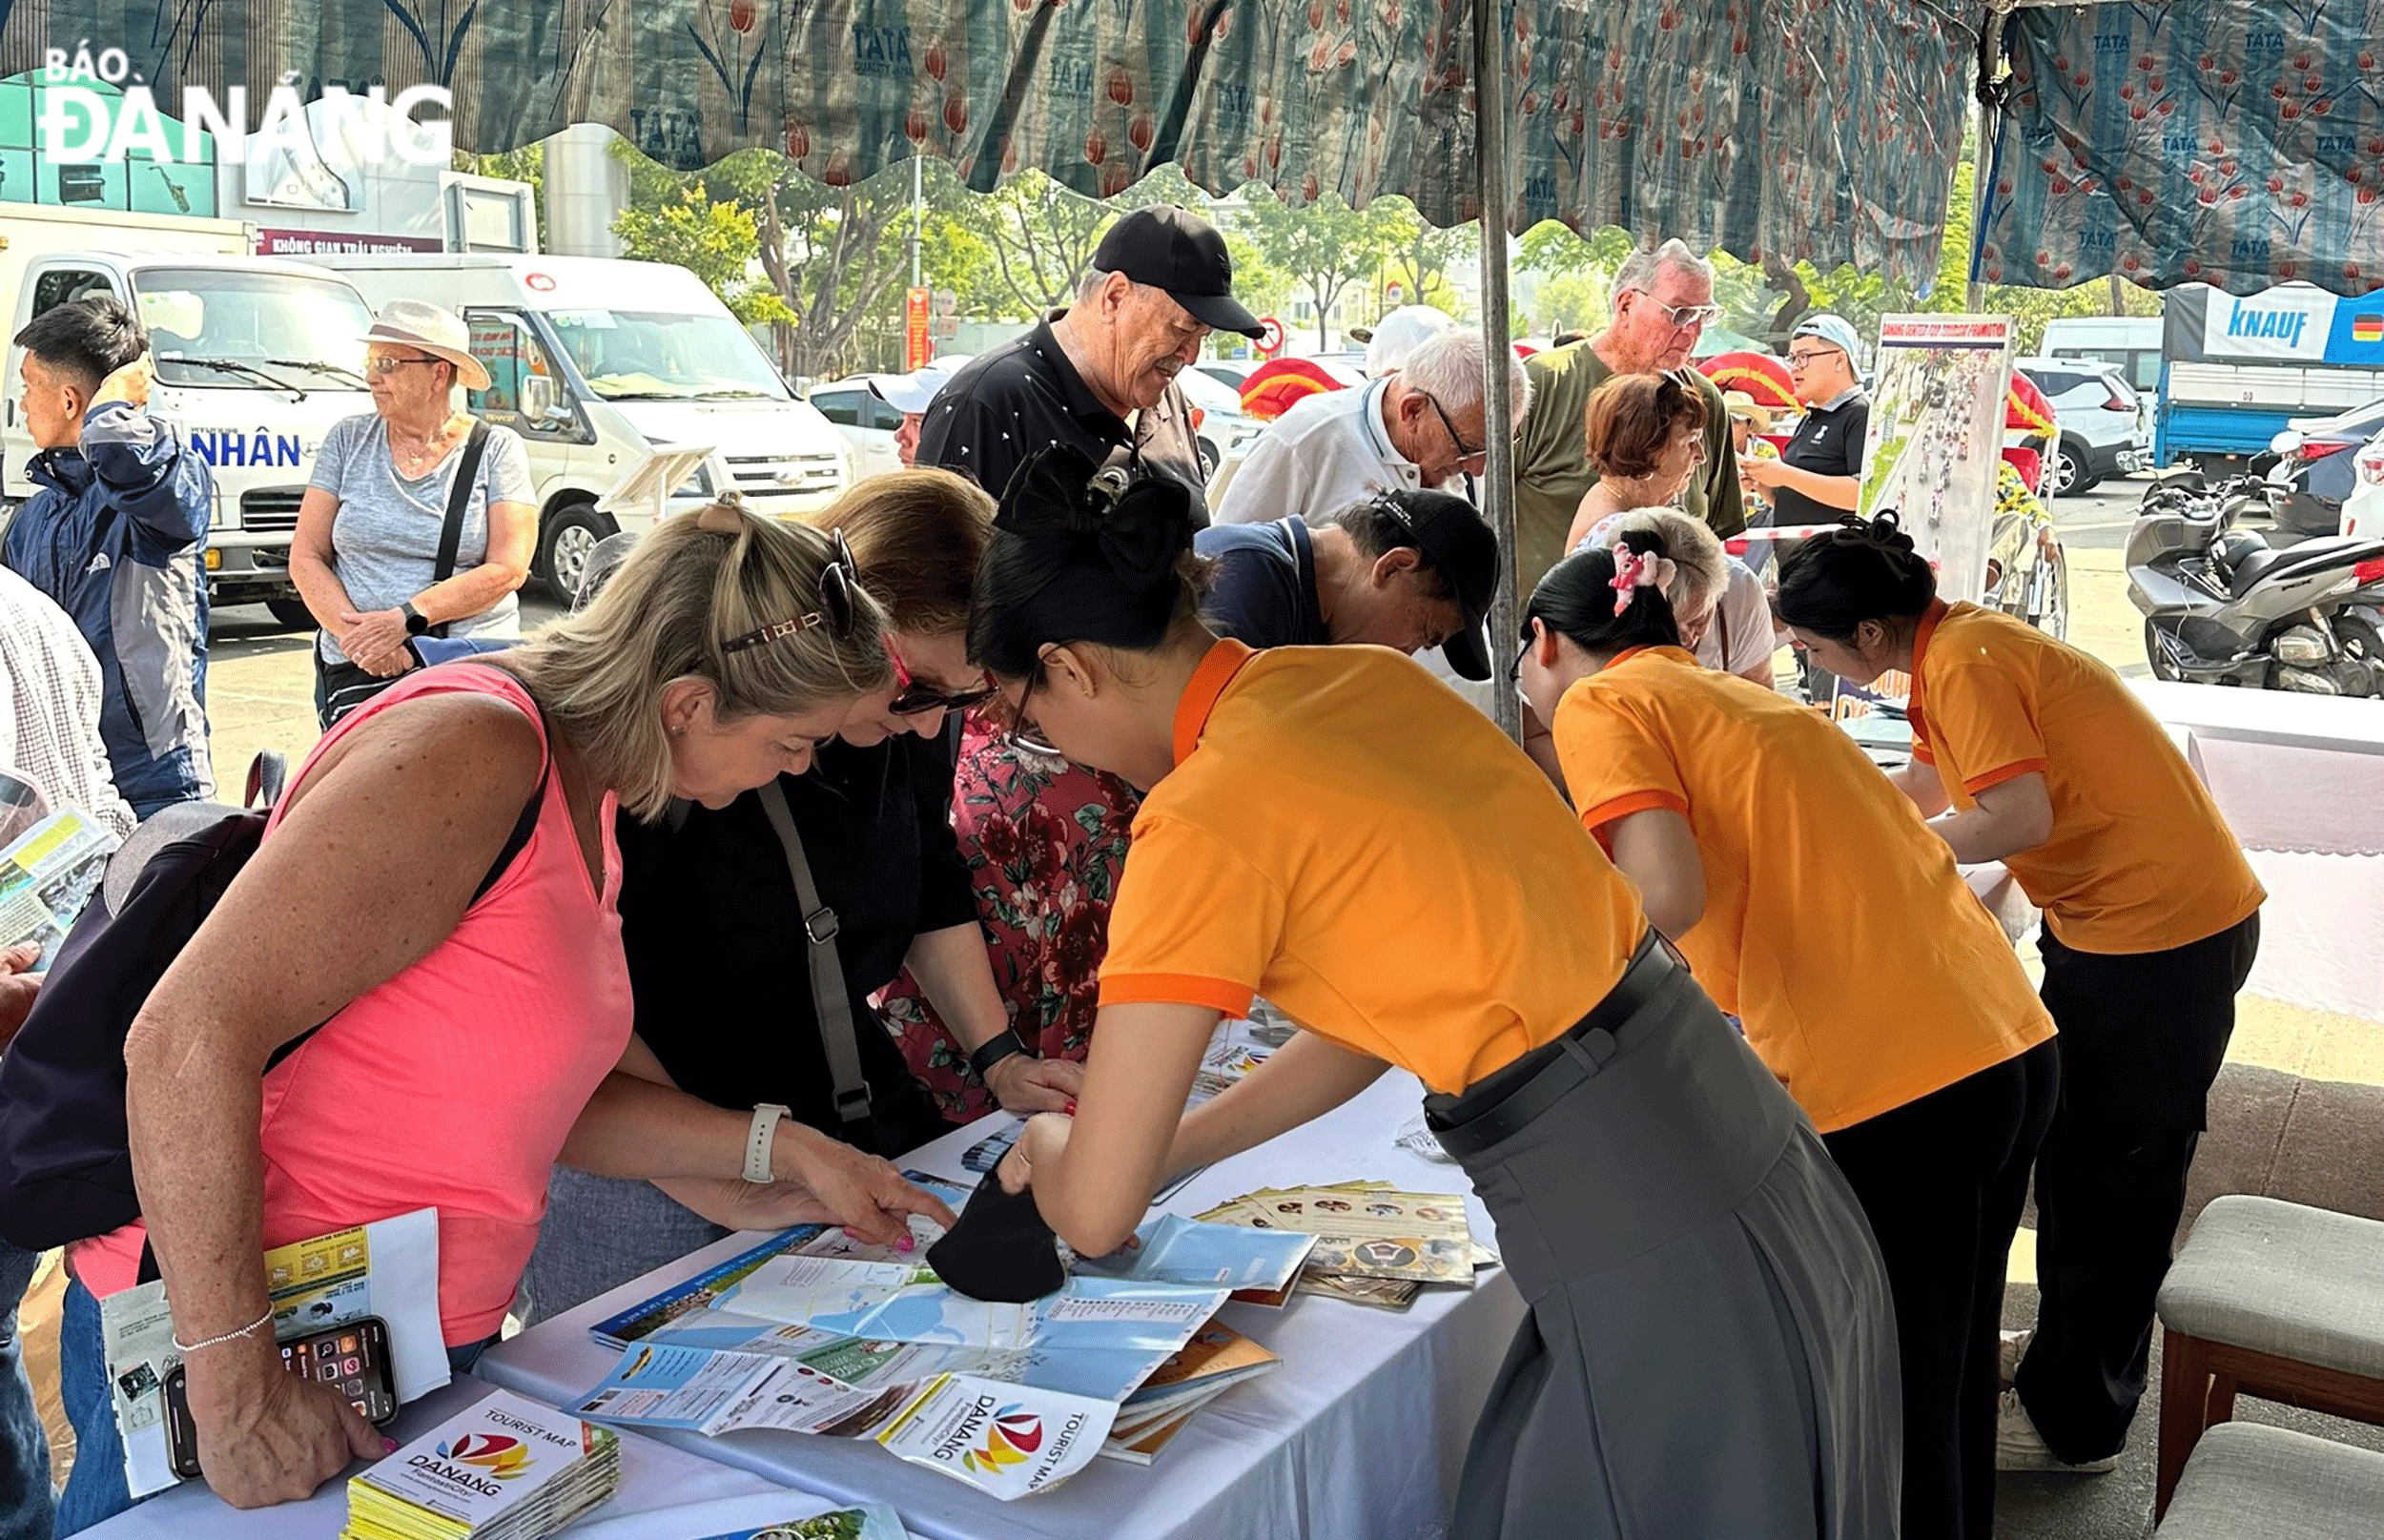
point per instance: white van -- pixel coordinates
(255, 358)
(596, 364)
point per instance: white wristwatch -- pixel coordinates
(758, 1140)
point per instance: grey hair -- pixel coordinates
(1701, 568)
(1091, 283)
(1637, 274)
(1448, 368)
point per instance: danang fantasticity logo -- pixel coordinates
(502, 1457)
(81, 124)
(1012, 1435)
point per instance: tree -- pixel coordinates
(1421, 262)
(1325, 246)
(1040, 235)
(715, 242)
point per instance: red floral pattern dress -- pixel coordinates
(1046, 841)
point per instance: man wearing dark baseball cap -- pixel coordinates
(1100, 376)
(1404, 569)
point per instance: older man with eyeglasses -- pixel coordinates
(1663, 301)
(1818, 475)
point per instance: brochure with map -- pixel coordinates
(813, 1333)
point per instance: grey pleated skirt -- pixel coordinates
(1710, 1351)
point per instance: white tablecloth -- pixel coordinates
(2300, 779)
(666, 1494)
(1358, 1435)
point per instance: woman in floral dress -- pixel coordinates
(1044, 841)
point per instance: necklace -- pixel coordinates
(412, 463)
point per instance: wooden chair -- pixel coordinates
(2273, 1299)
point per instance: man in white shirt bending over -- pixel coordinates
(1415, 430)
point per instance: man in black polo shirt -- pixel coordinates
(1818, 479)
(1407, 570)
(1100, 376)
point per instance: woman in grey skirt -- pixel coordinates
(1710, 1349)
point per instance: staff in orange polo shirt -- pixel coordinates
(2033, 753)
(1898, 1017)
(1709, 1349)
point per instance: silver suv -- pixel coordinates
(2106, 427)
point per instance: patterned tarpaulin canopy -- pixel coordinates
(2233, 142)
(1810, 128)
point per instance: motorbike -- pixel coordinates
(2223, 606)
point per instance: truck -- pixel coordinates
(255, 358)
(599, 364)
(2238, 369)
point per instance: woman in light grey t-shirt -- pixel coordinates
(367, 549)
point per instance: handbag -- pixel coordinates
(345, 687)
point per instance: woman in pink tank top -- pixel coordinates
(464, 1022)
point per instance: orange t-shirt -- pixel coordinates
(1345, 836)
(1835, 925)
(2139, 859)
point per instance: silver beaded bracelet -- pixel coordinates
(261, 1321)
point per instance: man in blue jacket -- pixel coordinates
(115, 534)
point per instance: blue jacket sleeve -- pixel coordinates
(150, 475)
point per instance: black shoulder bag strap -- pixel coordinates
(459, 500)
(837, 1033)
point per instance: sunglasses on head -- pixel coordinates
(838, 582)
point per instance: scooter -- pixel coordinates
(2221, 607)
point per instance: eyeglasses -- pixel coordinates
(1798, 360)
(1023, 734)
(1465, 452)
(911, 698)
(376, 367)
(1514, 670)
(837, 581)
(1686, 318)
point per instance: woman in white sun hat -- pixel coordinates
(374, 556)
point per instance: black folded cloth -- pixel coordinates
(1002, 1249)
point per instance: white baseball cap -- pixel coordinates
(910, 394)
(1401, 332)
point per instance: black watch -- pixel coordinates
(994, 1049)
(416, 621)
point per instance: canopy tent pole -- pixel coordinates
(1498, 419)
(1982, 159)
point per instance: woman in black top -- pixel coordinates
(721, 960)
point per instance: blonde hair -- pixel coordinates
(917, 537)
(1700, 566)
(693, 585)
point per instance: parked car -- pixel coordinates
(2363, 511)
(2106, 427)
(865, 421)
(1226, 372)
(1223, 428)
(2317, 466)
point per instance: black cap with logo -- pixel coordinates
(1182, 254)
(1450, 533)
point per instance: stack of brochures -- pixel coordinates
(1374, 1245)
(505, 1469)
(1217, 1359)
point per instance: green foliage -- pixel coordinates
(715, 242)
(1324, 246)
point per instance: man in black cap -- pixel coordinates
(1408, 570)
(1102, 375)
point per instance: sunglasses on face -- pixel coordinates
(388, 366)
(911, 697)
(1514, 670)
(1686, 318)
(837, 581)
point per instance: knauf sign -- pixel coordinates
(2282, 323)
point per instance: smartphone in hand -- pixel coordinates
(352, 1360)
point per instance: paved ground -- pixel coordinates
(2293, 1116)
